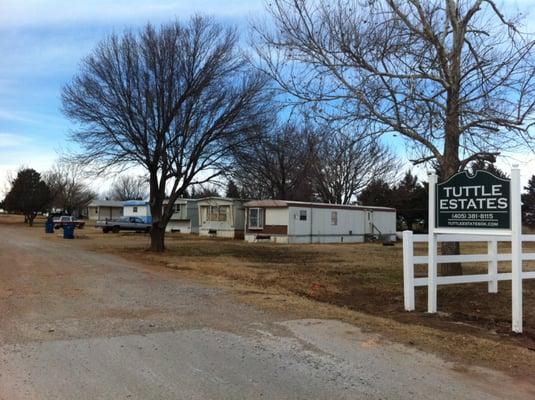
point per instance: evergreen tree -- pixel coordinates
(377, 193)
(28, 195)
(482, 165)
(409, 198)
(528, 203)
(410, 201)
(232, 190)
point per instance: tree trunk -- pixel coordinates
(157, 194)
(448, 168)
(450, 165)
(157, 238)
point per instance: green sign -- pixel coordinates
(479, 201)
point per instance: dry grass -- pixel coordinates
(358, 283)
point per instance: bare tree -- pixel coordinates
(128, 187)
(454, 78)
(201, 191)
(278, 165)
(69, 192)
(174, 100)
(344, 166)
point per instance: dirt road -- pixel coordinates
(78, 324)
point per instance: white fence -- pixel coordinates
(492, 257)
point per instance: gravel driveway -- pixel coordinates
(76, 324)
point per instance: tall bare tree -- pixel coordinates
(127, 187)
(344, 166)
(174, 100)
(456, 78)
(69, 192)
(278, 165)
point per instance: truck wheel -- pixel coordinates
(115, 229)
(147, 230)
(105, 230)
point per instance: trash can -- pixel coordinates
(68, 231)
(49, 226)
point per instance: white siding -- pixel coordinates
(385, 222)
(318, 227)
(181, 226)
(142, 211)
(251, 237)
(92, 213)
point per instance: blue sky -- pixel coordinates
(42, 42)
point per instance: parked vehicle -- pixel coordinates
(59, 222)
(124, 224)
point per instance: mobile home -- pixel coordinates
(104, 209)
(284, 221)
(137, 208)
(221, 217)
(185, 218)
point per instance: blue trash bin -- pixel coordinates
(49, 226)
(68, 231)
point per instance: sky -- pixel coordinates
(42, 43)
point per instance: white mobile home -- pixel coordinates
(104, 209)
(284, 221)
(185, 218)
(221, 217)
(137, 208)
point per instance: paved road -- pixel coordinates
(79, 325)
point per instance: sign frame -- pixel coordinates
(514, 233)
(484, 178)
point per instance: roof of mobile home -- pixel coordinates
(136, 203)
(105, 203)
(180, 200)
(219, 198)
(291, 203)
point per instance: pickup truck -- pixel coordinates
(124, 224)
(68, 220)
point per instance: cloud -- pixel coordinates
(34, 13)
(13, 140)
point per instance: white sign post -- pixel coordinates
(432, 248)
(474, 224)
(516, 250)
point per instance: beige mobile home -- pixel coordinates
(284, 221)
(104, 209)
(221, 217)
(185, 218)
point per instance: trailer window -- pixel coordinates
(334, 217)
(219, 213)
(302, 215)
(214, 213)
(255, 218)
(223, 213)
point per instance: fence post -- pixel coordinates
(516, 250)
(432, 249)
(408, 271)
(493, 266)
